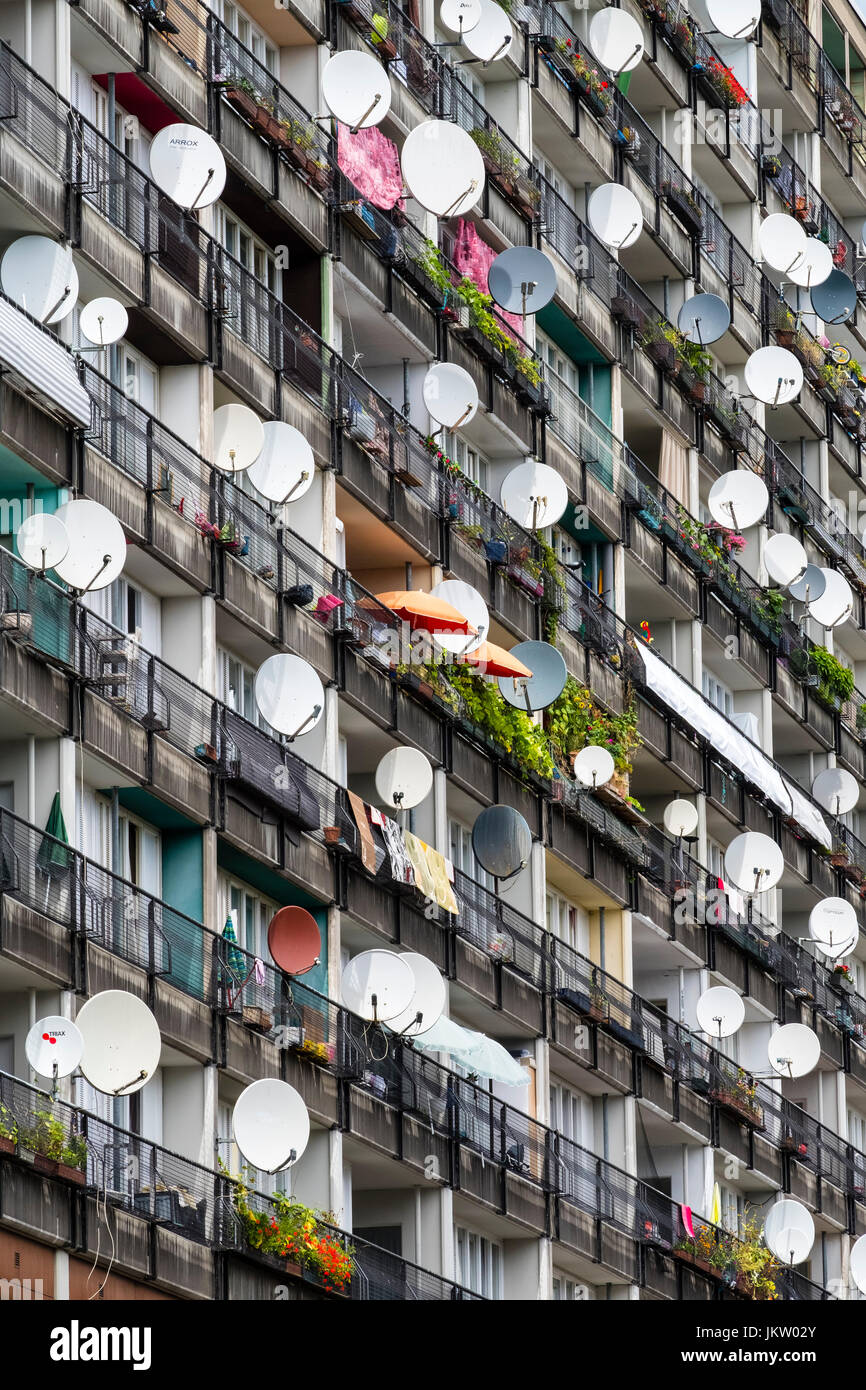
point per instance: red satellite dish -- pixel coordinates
(294, 940)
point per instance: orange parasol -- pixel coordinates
(423, 610)
(496, 661)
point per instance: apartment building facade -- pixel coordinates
(639, 1159)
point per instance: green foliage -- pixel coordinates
(509, 727)
(8, 1124)
(574, 721)
(45, 1135)
(837, 681)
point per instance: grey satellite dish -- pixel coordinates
(404, 778)
(284, 469)
(810, 585)
(836, 299)
(289, 694)
(187, 165)
(39, 274)
(615, 215)
(522, 280)
(547, 682)
(753, 862)
(704, 319)
(42, 541)
(785, 559)
(357, 89)
(97, 545)
(501, 841)
(836, 790)
(616, 39)
(103, 321)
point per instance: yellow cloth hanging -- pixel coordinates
(431, 873)
(716, 1216)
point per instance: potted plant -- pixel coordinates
(771, 166)
(737, 1091)
(8, 1131)
(685, 206)
(598, 1003)
(835, 681)
(296, 1235)
(660, 343)
(241, 93)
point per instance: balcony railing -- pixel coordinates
(134, 1175)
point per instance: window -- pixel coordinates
(717, 694)
(732, 1206)
(247, 32)
(571, 1114)
(462, 856)
(557, 181)
(568, 1290)
(479, 1263)
(567, 922)
(250, 912)
(558, 363)
(246, 247)
(140, 845)
(131, 610)
(473, 464)
(139, 379)
(235, 682)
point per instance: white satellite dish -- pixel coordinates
(404, 778)
(816, 265)
(103, 321)
(836, 604)
(187, 165)
(357, 89)
(835, 945)
(720, 1011)
(782, 242)
(774, 376)
(857, 1263)
(54, 1047)
(289, 694)
(97, 545)
(789, 1232)
(470, 603)
(753, 862)
(785, 559)
(238, 437)
(285, 468)
(794, 1050)
(443, 168)
(594, 766)
(491, 37)
(377, 986)
(534, 495)
(616, 39)
(122, 1044)
(428, 999)
(681, 818)
(833, 925)
(39, 274)
(42, 541)
(271, 1125)
(450, 395)
(615, 215)
(735, 19)
(836, 790)
(738, 499)
(460, 16)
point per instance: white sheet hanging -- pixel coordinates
(685, 701)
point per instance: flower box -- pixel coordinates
(7, 1146)
(748, 1111)
(70, 1174)
(689, 1257)
(661, 352)
(525, 580)
(242, 101)
(47, 1166)
(257, 1018)
(623, 307)
(677, 200)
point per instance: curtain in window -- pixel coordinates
(473, 258)
(674, 468)
(371, 162)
